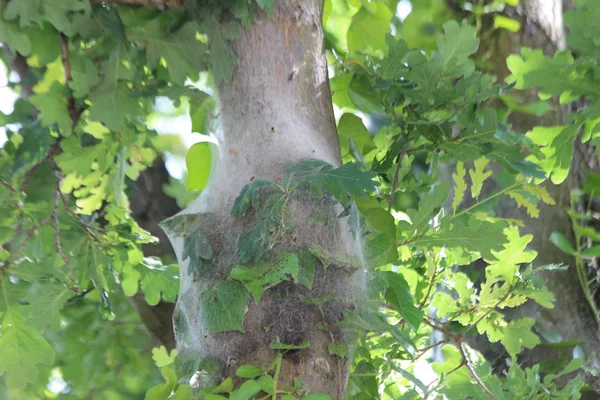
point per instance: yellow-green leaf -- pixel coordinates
(460, 185)
(198, 161)
(478, 176)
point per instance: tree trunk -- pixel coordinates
(277, 109)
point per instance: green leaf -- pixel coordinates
(248, 371)
(399, 295)
(509, 24)
(382, 221)
(158, 281)
(368, 30)
(84, 79)
(561, 241)
(557, 149)
(525, 201)
(266, 383)
(198, 249)
(507, 261)
(201, 115)
(183, 392)
(22, 349)
(338, 349)
(162, 357)
(351, 126)
(454, 48)
(198, 161)
(164, 390)
(393, 65)
(27, 11)
(224, 387)
(307, 265)
(58, 13)
(347, 179)
(249, 197)
(223, 307)
(482, 238)
(45, 45)
(53, 108)
(15, 37)
(373, 321)
(254, 243)
(562, 345)
(112, 103)
(591, 252)
(337, 260)
(46, 300)
(452, 359)
(518, 335)
(246, 391)
(267, 5)
(285, 346)
(429, 206)
(263, 276)
(184, 54)
(214, 397)
(222, 58)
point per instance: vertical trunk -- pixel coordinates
(277, 109)
(571, 318)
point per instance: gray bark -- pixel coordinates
(277, 109)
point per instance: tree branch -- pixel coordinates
(8, 185)
(160, 4)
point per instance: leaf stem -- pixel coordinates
(276, 375)
(488, 312)
(581, 273)
(499, 193)
(396, 174)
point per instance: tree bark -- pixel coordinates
(149, 206)
(277, 109)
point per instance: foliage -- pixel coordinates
(76, 145)
(319, 175)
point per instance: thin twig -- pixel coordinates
(57, 243)
(429, 289)
(473, 373)
(159, 4)
(52, 151)
(87, 227)
(395, 181)
(31, 233)
(424, 350)
(8, 185)
(58, 246)
(459, 366)
(439, 328)
(64, 45)
(488, 312)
